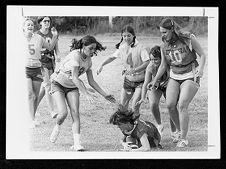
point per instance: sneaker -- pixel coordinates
(182, 143)
(78, 147)
(54, 134)
(54, 114)
(176, 136)
(160, 129)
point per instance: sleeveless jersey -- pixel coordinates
(73, 59)
(132, 57)
(179, 56)
(33, 51)
(44, 51)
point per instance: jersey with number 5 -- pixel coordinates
(34, 51)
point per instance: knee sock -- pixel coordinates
(76, 136)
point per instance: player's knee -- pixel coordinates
(182, 107)
(61, 117)
(171, 106)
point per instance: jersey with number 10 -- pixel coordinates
(179, 57)
(34, 51)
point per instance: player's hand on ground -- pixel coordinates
(99, 69)
(110, 98)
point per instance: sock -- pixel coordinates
(76, 135)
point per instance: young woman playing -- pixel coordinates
(66, 85)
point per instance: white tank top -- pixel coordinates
(33, 51)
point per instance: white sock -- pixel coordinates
(76, 136)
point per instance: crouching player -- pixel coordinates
(145, 133)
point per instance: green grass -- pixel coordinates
(97, 134)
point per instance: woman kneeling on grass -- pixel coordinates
(65, 85)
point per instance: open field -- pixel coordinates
(96, 132)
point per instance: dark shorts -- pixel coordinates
(49, 65)
(55, 86)
(34, 74)
(131, 86)
(192, 79)
(47, 62)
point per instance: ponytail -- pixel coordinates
(133, 43)
(117, 45)
(75, 44)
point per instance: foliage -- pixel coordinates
(142, 24)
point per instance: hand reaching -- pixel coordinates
(110, 98)
(99, 69)
(54, 31)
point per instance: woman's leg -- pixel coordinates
(172, 93)
(59, 98)
(125, 98)
(188, 89)
(49, 98)
(73, 103)
(136, 98)
(154, 97)
(31, 97)
(41, 94)
(36, 88)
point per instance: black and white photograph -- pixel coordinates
(93, 82)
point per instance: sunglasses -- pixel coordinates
(46, 21)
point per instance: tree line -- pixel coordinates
(105, 24)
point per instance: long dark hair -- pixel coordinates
(170, 24)
(129, 29)
(85, 41)
(40, 18)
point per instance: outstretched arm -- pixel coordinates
(95, 85)
(108, 60)
(148, 78)
(161, 71)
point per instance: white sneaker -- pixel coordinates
(53, 114)
(176, 136)
(182, 143)
(54, 134)
(160, 129)
(78, 147)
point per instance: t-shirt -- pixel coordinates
(33, 51)
(132, 57)
(73, 59)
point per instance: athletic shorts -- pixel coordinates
(131, 86)
(34, 74)
(55, 86)
(181, 81)
(49, 65)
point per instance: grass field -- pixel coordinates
(96, 133)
